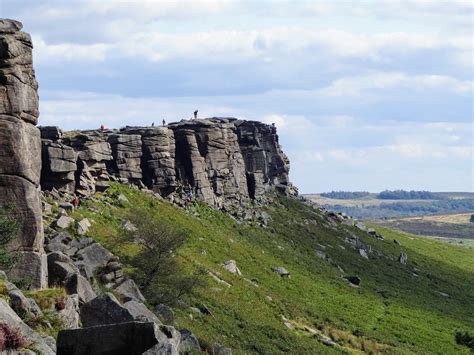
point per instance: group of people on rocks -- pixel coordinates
(102, 127)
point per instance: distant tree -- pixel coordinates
(9, 228)
(407, 195)
(156, 269)
(345, 195)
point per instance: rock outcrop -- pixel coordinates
(20, 150)
(223, 161)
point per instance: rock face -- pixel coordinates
(20, 149)
(223, 161)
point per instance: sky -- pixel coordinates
(366, 95)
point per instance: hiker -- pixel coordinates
(195, 114)
(75, 201)
(164, 122)
(153, 124)
(102, 127)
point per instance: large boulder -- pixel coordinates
(60, 268)
(128, 338)
(129, 291)
(79, 285)
(140, 313)
(70, 313)
(104, 309)
(94, 255)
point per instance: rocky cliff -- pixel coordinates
(20, 149)
(225, 162)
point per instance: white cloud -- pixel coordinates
(47, 53)
(357, 85)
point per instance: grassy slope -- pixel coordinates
(392, 311)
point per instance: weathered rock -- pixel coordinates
(266, 165)
(64, 222)
(168, 341)
(104, 309)
(231, 266)
(10, 26)
(50, 341)
(140, 313)
(59, 166)
(403, 258)
(78, 284)
(165, 312)
(221, 350)
(281, 271)
(129, 338)
(83, 226)
(32, 266)
(60, 268)
(126, 153)
(70, 313)
(8, 316)
(189, 342)
(27, 209)
(129, 290)
(363, 253)
(94, 255)
(23, 305)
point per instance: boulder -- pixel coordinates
(94, 255)
(83, 226)
(8, 316)
(189, 343)
(70, 313)
(129, 290)
(104, 309)
(64, 222)
(140, 313)
(168, 341)
(60, 268)
(231, 266)
(78, 284)
(218, 349)
(165, 313)
(22, 305)
(32, 266)
(403, 258)
(280, 270)
(127, 338)
(363, 253)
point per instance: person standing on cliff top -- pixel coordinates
(164, 122)
(195, 114)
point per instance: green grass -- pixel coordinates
(392, 312)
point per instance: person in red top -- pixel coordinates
(75, 201)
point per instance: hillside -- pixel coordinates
(399, 308)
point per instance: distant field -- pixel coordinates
(455, 227)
